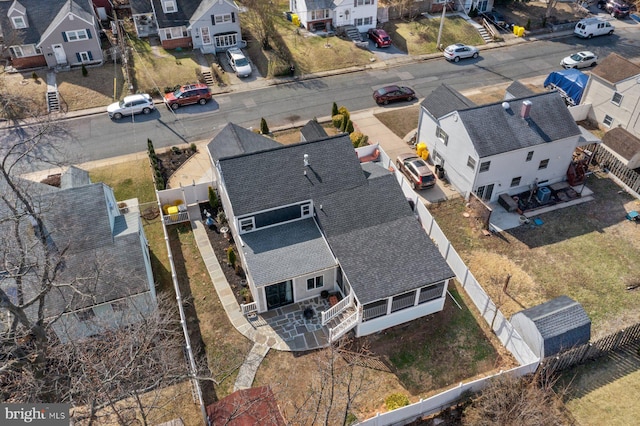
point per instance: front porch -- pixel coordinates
(288, 329)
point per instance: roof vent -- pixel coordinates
(525, 111)
(306, 160)
(506, 106)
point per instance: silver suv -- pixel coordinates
(132, 104)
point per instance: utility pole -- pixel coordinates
(444, 9)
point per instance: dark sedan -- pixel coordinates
(388, 94)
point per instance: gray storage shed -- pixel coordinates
(553, 326)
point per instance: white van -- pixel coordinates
(590, 27)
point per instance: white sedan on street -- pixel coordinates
(580, 60)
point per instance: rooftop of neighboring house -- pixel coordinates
(235, 140)
(312, 131)
(614, 68)
(98, 263)
(361, 211)
(40, 16)
(505, 126)
(622, 142)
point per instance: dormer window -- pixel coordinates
(169, 6)
(19, 22)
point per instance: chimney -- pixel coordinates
(526, 109)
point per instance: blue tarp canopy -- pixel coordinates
(569, 82)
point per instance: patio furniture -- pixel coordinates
(308, 313)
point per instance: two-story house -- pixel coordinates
(52, 33)
(209, 25)
(103, 278)
(613, 91)
(309, 217)
(330, 14)
(503, 147)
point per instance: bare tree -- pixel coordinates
(337, 385)
(509, 400)
(261, 17)
(551, 7)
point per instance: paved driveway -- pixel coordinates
(386, 53)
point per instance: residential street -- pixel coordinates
(94, 136)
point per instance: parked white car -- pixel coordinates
(239, 62)
(458, 51)
(580, 60)
(132, 104)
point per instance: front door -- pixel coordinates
(61, 57)
(279, 294)
(206, 38)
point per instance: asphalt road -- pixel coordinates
(96, 136)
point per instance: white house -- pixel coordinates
(613, 91)
(503, 147)
(104, 278)
(330, 14)
(309, 217)
(209, 25)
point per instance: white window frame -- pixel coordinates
(484, 166)
(320, 14)
(169, 6)
(77, 35)
(17, 51)
(25, 51)
(175, 32)
(529, 156)
(315, 283)
(84, 56)
(618, 96)
(226, 40)
(223, 18)
(442, 135)
(246, 224)
(471, 163)
(516, 181)
(305, 209)
(18, 22)
(607, 120)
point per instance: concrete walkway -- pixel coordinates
(248, 370)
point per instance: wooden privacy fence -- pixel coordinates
(610, 162)
(591, 350)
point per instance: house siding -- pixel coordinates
(72, 48)
(599, 94)
(400, 317)
(217, 29)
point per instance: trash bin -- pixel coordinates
(439, 171)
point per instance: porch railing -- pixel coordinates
(374, 312)
(332, 312)
(249, 308)
(346, 325)
(172, 219)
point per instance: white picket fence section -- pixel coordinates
(501, 326)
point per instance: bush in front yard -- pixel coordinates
(396, 400)
(358, 139)
(337, 121)
(264, 129)
(334, 109)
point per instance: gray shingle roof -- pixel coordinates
(518, 90)
(277, 175)
(140, 6)
(361, 210)
(39, 16)
(74, 177)
(562, 323)
(380, 245)
(281, 252)
(312, 131)
(319, 4)
(494, 129)
(101, 264)
(235, 140)
(186, 9)
(445, 99)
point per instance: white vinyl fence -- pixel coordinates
(501, 326)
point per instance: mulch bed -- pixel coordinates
(171, 160)
(220, 244)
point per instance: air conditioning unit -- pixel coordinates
(543, 195)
